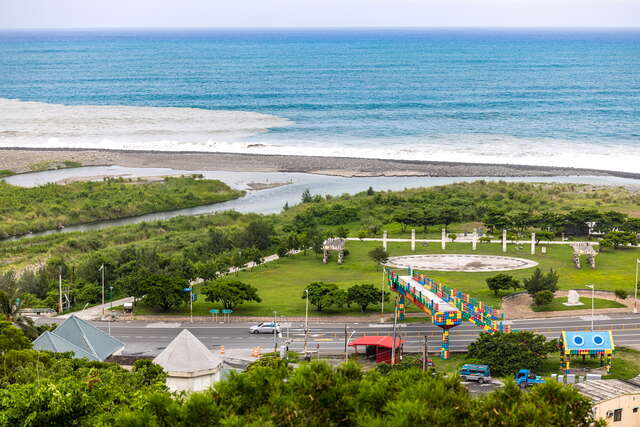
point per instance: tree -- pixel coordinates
(306, 196)
(342, 232)
(540, 281)
(542, 298)
(324, 295)
(364, 295)
(453, 237)
(502, 282)
(379, 256)
(545, 236)
(164, 291)
(258, 234)
(617, 239)
(12, 338)
(370, 191)
(230, 292)
(621, 294)
(506, 353)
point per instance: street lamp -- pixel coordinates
(111, 307)
(275, 333)
(382, 296)
(306, 322)
(635, 296)
(593, 294)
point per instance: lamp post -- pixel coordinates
(111, 307)
(306, 322)
(635, 296)
(275, 333)
(101, 269)
(382, 296)
(593, 294)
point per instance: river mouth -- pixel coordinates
(272, 198)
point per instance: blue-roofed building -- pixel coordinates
(583, 343)
(81, 338)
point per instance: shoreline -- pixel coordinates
(19, 160)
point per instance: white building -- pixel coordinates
(189, 365)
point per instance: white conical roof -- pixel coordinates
(187, 354)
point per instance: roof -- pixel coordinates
(380, 341)
(601, 390)
(79, 337)
(587, 340)
(420, 289)
(51, 342)
(187, 354)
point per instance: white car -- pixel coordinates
(265, 328)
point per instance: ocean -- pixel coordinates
(541, 97)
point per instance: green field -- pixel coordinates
(557, 304)
(280, 284)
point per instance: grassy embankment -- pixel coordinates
(557, 305)
(281, 284)
(25, 210)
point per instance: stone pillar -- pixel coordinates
(444, 239)
(413, 240)
(504, 240)
(533, 243)
(384, 240)
(474, 241)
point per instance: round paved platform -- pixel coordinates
(462, 263)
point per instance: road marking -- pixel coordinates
(163, 325)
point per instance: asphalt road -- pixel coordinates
(151, 338)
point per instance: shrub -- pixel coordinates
(621, 293)
(543, 298)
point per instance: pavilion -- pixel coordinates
(378, 347)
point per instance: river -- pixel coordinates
(270, 200)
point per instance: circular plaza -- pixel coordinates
(462, 263)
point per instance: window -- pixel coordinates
(635, 410)
(617, 415)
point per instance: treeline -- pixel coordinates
(40, 388)
(155, 260)
(50, 206)
(519, 207)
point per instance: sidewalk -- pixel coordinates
(95, 312)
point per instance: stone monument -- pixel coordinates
(573, 299)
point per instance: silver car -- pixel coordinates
(265, 328)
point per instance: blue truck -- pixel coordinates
(479, 373)
(526, 378)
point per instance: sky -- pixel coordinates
(317, 13)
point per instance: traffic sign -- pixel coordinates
(227, 311)
(187, 289)
(214, 311)
(194, 297)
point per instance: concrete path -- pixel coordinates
(96, 312)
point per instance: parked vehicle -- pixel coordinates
(479, 373)
(525, 378)
(265, 328)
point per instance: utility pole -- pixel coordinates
(275, 333)
(191, 303)
(102, 270)
(111, 307)
(425, 352)
(306, 322)
(60, 289)
(382, 296)
(635, 296)
(345, 343)
(393, 341)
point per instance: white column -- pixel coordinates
(444, 239)
(384, 240)
(504, 240)
(474, 240)
(413, 240)
(533, 243)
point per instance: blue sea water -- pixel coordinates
(555, 97)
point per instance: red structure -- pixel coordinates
(378, 347)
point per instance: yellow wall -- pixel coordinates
(626, 403)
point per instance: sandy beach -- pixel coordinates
(22, 160)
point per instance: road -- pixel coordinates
(151, 338)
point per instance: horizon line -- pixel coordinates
(312, 28)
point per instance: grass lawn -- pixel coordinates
(625, 364)
(280, 284)
(557, 304)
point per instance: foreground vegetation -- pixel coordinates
(51, 206)
(41, 388)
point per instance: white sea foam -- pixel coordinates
(41, 125)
